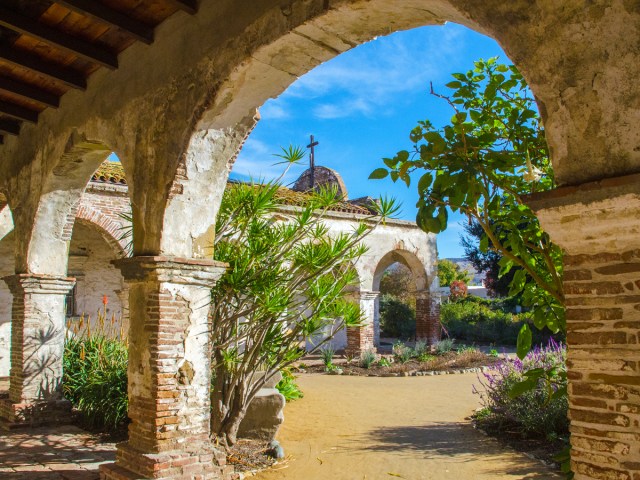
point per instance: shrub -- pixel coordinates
(327, 354)
(458, 290)
(425, 357)
(444, 346)
(484, 321)
(383, 362)
(397, 319)
(95, 375)
(288, 386)
(420, 348)
(367, 358)
(535, 413)
(402, 352)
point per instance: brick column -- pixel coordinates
(428, 327)
(37, 346)
(362, 338)
(598, 226)
(169, 372)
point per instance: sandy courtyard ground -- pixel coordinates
(356, 428)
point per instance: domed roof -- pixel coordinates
(322, 176)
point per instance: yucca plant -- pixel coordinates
(95, 370)
(367, 358)
(327, 354)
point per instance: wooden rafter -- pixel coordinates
(189, 6)
(104, 14)
(52, 71)
(29, 92)
(33, 28)
(18, 112)
(9, 126)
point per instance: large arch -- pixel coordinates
(409, 260)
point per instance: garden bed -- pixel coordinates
(450, 362)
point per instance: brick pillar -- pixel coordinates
(362, 338)
(428, 327)
(169, 372)
(37, 346)
(598, 226)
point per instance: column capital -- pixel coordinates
(185, 271)
(31, 283)
(592, 217)
(369, 294)
(424, 294)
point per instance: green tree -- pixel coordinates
(449, 271)
(287, 282)
(487, 262)
(482, 163)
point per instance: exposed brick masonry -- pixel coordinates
(169, 372)
(428, 327)
(603, 321)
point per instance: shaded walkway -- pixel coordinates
(354, 428)
(62, 453)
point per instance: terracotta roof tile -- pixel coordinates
(113, 172)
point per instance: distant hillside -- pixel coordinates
(465, 264)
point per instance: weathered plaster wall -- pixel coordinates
(6, 268)
(90, 263)
(397, 240)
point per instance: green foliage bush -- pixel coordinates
(367, 358)
(444, 346)
(95, 379)
(397, 319)
(484, 321)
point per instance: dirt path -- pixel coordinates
(355, 428)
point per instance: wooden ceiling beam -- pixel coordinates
(104, 14)
(57, 38)
(189, 6)
(29, 92)
(28, 61)
(18, 112)
(9, 126)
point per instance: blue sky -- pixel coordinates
(361, 107)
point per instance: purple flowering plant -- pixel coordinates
(528, 395)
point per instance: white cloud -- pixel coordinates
(366, 78)
(274, 111)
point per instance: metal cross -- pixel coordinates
(312, 160)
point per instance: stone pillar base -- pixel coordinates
(35, 414)
(200, 462)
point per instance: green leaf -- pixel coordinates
(453, 85)
(425, 182)
(436, 140)
(443, 218)
(378, 174)
(390, 162)
(484, 244)
(525, 385)
(539, 318)
(525, 337)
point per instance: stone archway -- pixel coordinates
(428, 327)
(209, 76)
